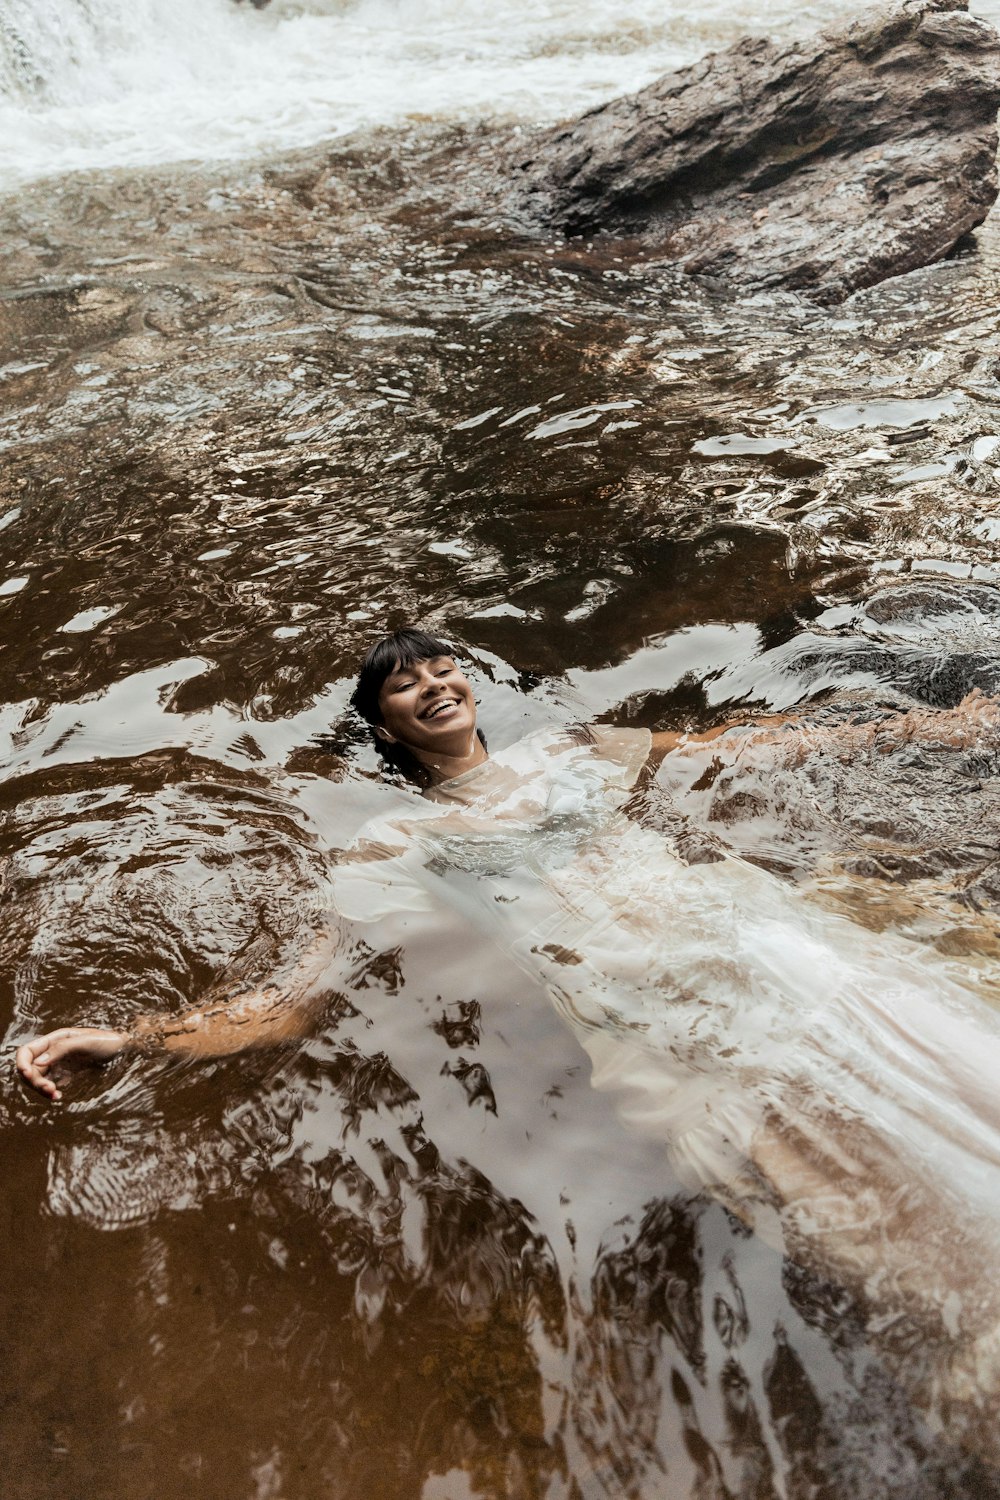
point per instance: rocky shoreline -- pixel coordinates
(825, 165)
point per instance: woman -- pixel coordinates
(817, 1078)
(429, 747)
(549, 806)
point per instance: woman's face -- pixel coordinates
(429, 707)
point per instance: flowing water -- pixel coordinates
(271, 385)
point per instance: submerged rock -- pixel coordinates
(827, 164)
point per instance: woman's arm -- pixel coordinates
(962, 727)
(666, 740)
(260, 1017)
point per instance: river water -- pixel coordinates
(272, 385)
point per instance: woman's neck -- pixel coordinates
(448, 762)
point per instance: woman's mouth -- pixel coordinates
(442, 710)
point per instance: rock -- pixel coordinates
(825, 165)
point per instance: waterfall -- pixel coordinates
(129, 83)
(64, 53)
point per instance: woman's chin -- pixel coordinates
(446, 725)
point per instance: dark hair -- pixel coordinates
(401, 649)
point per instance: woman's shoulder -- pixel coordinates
(575, 734)
(625, 749)
(544, 743)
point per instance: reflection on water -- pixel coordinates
(251, 417)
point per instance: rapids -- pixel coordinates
(270, 385)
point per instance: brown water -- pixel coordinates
(251, 418)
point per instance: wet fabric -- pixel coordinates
(758, 1037)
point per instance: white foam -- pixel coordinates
(105, 83)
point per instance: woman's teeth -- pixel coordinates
(439, 708)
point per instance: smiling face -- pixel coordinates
(429, 707)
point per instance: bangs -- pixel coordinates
(401, 649)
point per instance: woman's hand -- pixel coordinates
(65, 1050)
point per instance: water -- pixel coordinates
(258, 408)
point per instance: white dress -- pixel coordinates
(769, 1044)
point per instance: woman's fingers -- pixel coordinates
(32, 1060)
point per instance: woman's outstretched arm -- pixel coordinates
(665, 740)
(263, 1016)
(962, 727)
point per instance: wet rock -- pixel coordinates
(825, 165)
